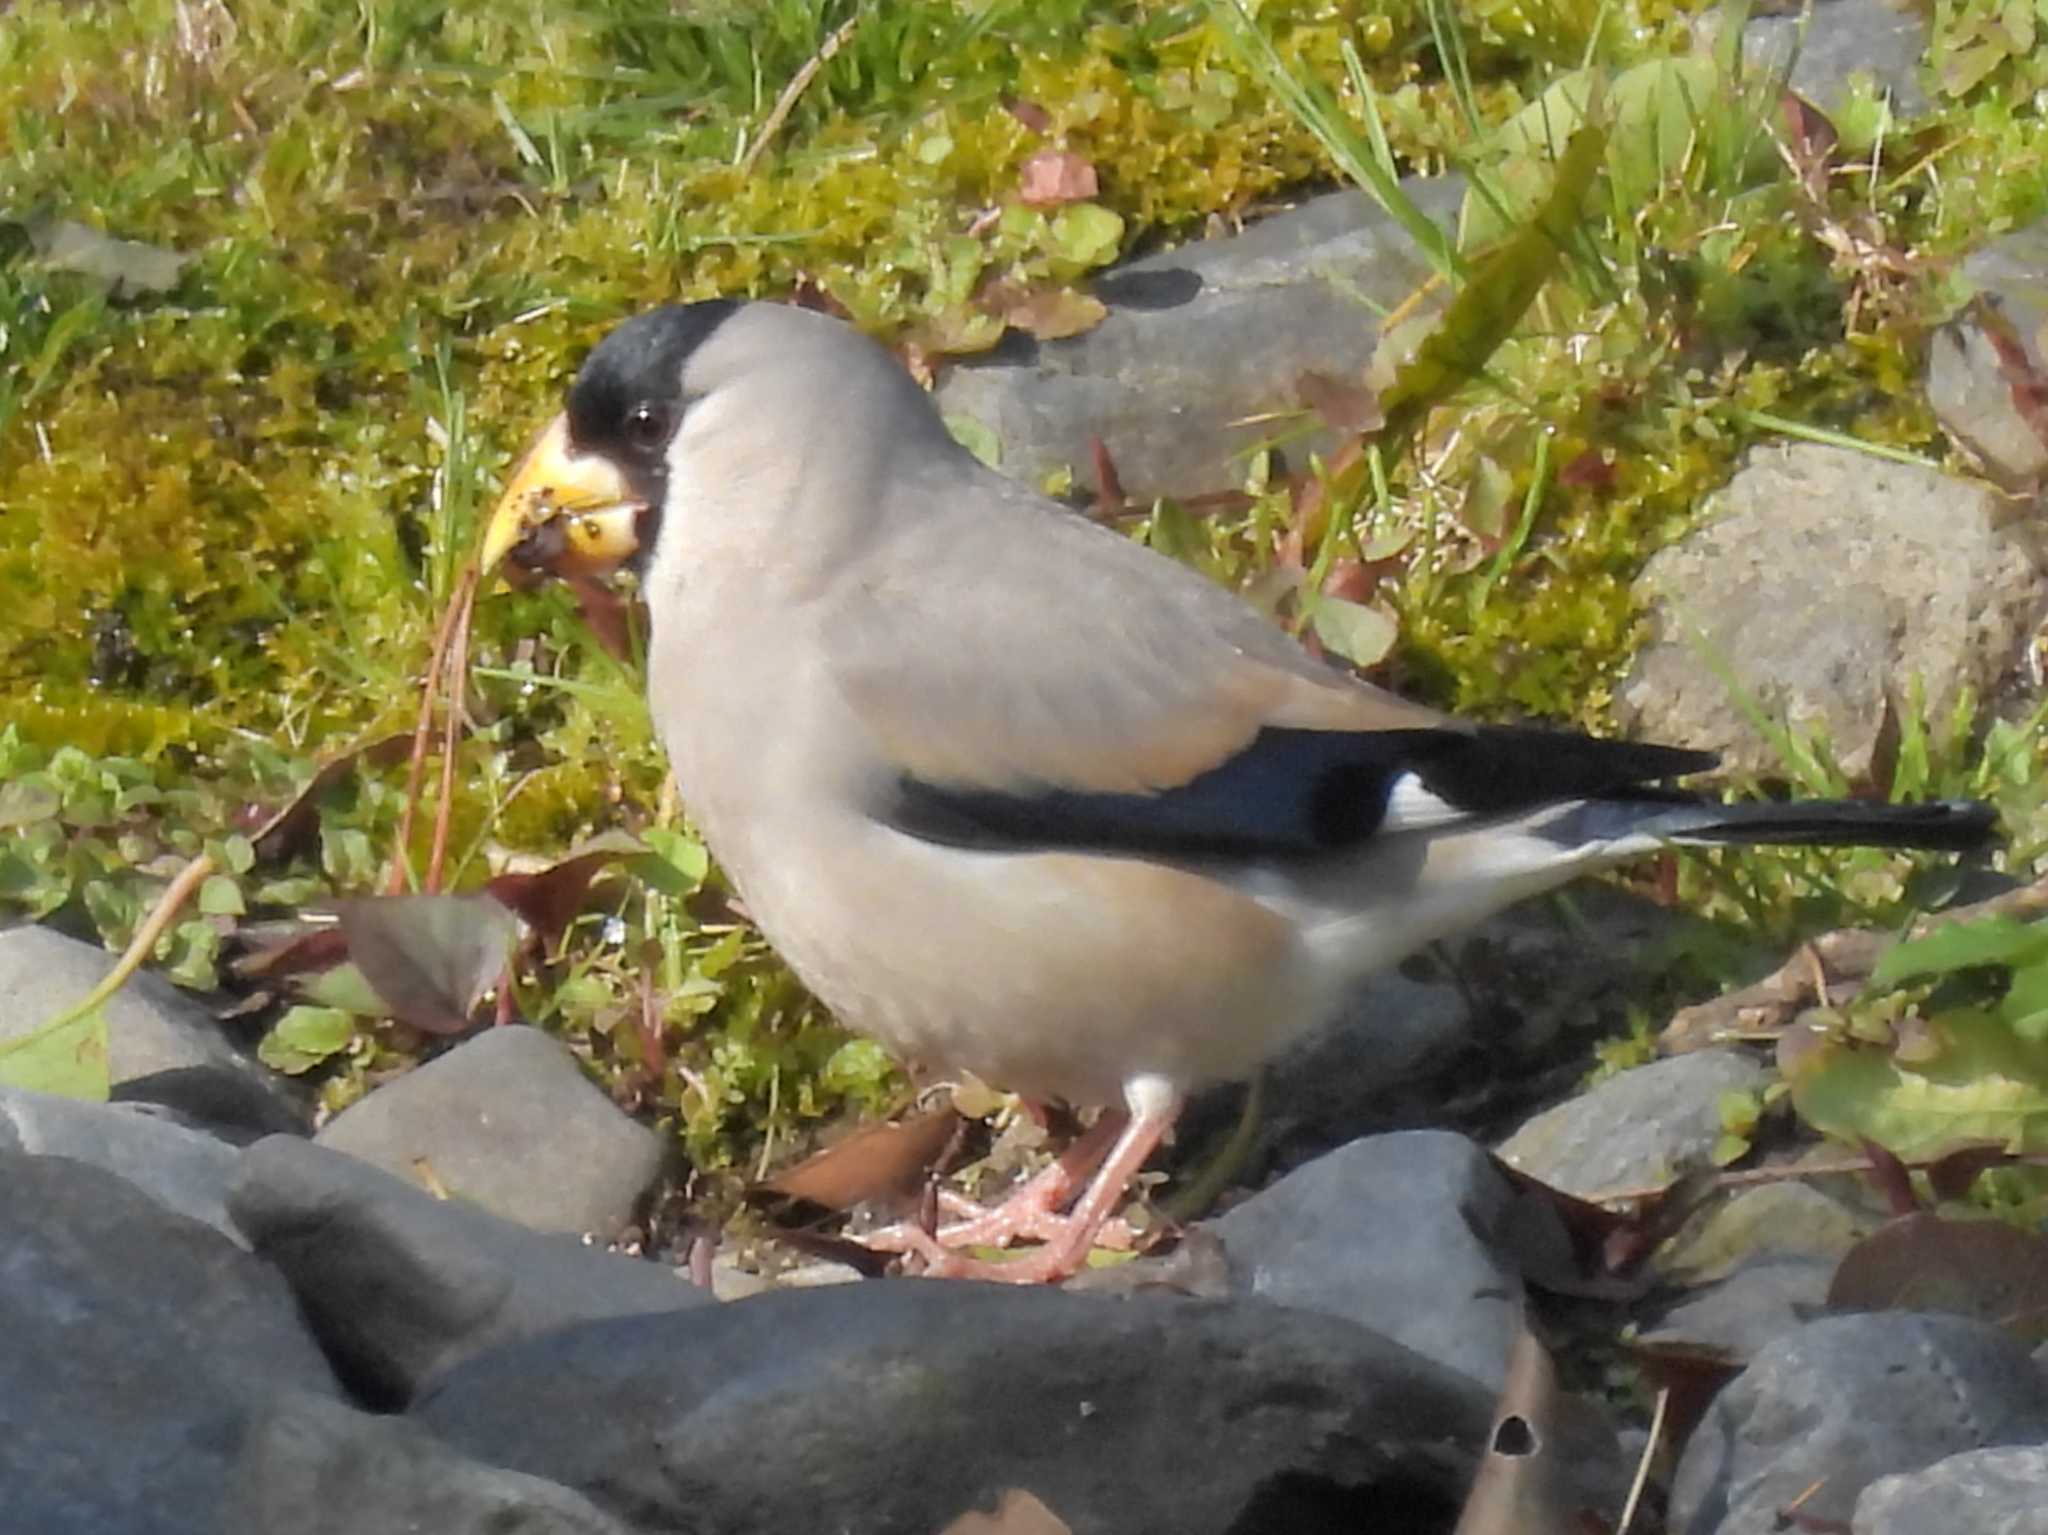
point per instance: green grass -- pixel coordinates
(233, 510)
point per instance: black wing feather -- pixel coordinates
(1292, 793)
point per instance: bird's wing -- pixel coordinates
(1030, 680)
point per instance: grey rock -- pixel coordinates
(157, 1036)
(1738, 1317)
(235, 1106)
(508, 1121)
(400, 1285)
(1985, 367)
(1827, 579)
(1638, 1129)
(182, 1169)
(1411, 1234)
(1518, 995)
(734, 1277)
(1373, 1067)
(1752, 1268)
(1577, 961)
(1392, 1029)
(2014, 269)
(1980, 1492)
(1971, 387)
(894, 1405)
(1843, 1401)
(137, 1343)
(315, 1467)
(1778, 1220)
(1839, 40)
(1293, 293)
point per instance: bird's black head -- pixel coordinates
(628, 399)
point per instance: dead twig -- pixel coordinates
(1643, 1463)
(168, 905)
(792, 92)
(1749, 1177)
(454, 681)
(422, 736)
(1840, 962)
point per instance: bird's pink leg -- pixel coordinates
(1036, 1202)
(1154, 1107)
(1031, 1210)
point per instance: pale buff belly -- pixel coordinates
(1056, 975)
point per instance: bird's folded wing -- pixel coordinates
(1075, 690)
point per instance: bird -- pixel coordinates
(1016, 796)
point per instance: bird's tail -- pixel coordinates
(1941, 826)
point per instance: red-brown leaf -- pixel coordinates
(606, 612)
(1892, 1179)
(1810, 141)
(1351, 580)
(429, 957)
(1926, 1262)
(1952, 1176)
(1590, 470)
(1055, 176)
(1029, 113)
(319, 948)
(551, 898)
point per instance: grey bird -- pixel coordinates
(1015, 795)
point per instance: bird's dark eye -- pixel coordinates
(647, 426)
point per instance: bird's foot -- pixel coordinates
(1031, 1213)
(1120, 1143)
(1061, 1255)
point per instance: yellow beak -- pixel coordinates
(567, 513)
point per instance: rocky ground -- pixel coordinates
(220, 1325)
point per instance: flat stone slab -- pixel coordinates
(1199, 340)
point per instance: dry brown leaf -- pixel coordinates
(1521, 1486)
(1017, 1513)
(882, 1161)
(1892, 1179)
(1351, 579)
(1053, 314)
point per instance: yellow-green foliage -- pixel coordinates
(223, 499)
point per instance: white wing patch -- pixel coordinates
(1411, 807)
